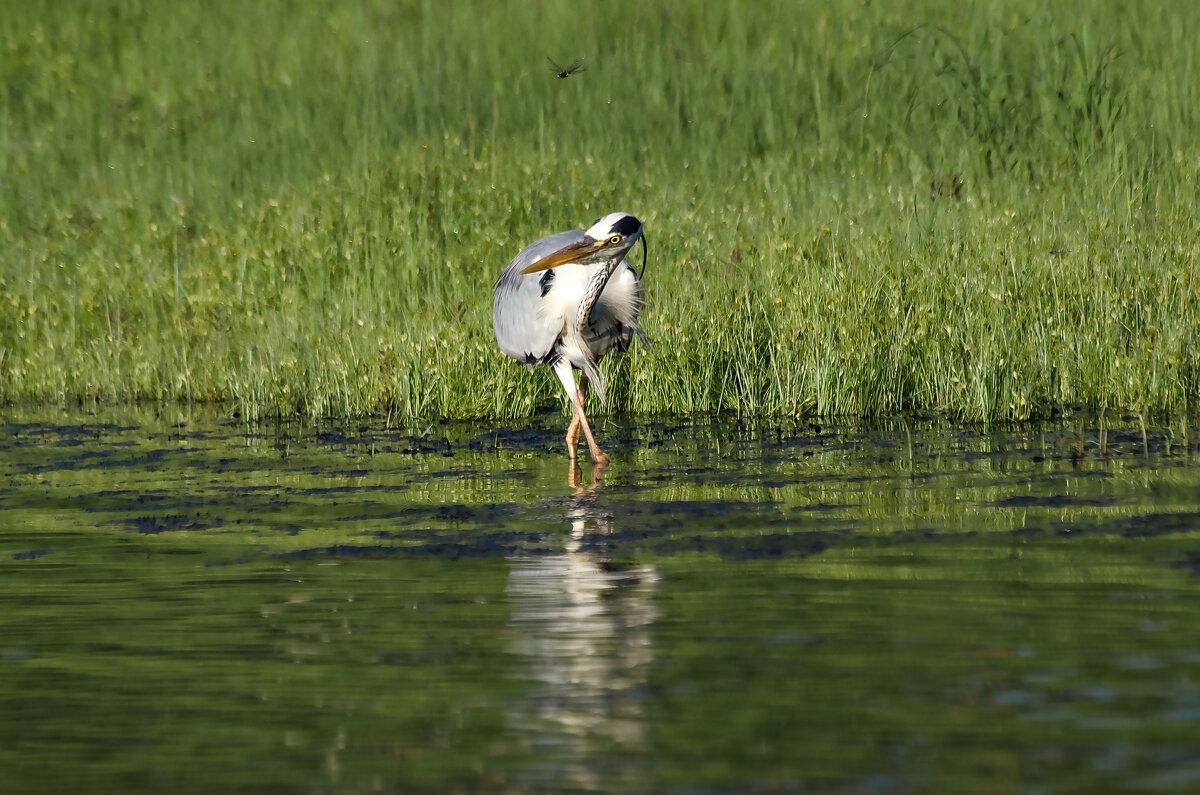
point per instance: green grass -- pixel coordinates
(853, 209)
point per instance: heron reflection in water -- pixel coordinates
(582, 620)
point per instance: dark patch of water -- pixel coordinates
(192, 605)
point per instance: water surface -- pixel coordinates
(188, 604)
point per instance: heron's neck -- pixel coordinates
(595, 286)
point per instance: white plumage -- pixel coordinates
(566, 301)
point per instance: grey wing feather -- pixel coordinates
(521, 331)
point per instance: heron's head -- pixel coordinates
(605, 243)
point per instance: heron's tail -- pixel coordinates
(643, 337)
(576, 350)
(597, 378)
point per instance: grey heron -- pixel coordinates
(567, 300)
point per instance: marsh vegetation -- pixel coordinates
(854, 209)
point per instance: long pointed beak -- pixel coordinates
(570, 253)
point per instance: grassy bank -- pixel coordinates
(852, 209)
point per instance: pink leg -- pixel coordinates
(578, 419)
(573, 428)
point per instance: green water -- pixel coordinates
(190, 605)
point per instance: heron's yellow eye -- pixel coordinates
(615, 239)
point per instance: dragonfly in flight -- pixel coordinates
(563, 73)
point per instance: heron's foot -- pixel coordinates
(599, 458)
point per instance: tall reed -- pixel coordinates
(853, 209)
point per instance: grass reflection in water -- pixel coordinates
(191, 605)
